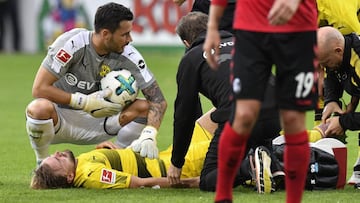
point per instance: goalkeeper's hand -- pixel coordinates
(95, 104)
(146, 143)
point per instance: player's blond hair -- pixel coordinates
(45, 178)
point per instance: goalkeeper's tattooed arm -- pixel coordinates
(146, 143)
(157, 105)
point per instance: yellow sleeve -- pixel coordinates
(200, 134)
(350, 16)
(340, 15)
(194, 159)
(355, 62)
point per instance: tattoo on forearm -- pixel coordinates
(153, 93)
(157, 104)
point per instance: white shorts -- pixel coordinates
(79, 127)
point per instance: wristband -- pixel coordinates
(150, 132)
(78, 100)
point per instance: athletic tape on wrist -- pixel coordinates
(149, 131)
(78, 100)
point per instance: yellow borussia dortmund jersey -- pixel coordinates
(200, 134)
(340, 14)
(195, 156)
(106, 168)
(194, 159)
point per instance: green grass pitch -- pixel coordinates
(18, 160)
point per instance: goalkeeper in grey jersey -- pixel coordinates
(69, 106)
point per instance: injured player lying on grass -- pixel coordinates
(103, 168)
(122, 168)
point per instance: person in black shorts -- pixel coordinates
(267, 32)
(226, 21)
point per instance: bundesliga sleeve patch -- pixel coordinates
(63, 57)
(107, 176)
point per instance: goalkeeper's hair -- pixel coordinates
(191, 26)
(110, 15)
(45, 178)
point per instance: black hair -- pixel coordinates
(110, 15)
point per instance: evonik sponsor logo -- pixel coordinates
(72, 80)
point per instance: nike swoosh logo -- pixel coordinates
(95, 110)
(91, 172)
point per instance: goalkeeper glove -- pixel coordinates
(95, 104)
(146, 143)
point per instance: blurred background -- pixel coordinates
(30, 26)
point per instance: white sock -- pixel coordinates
(41, 133)
(112, 125)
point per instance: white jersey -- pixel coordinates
(72, 59)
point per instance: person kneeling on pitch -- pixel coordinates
(69, 106)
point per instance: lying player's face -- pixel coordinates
(63, 163)
(121, 37)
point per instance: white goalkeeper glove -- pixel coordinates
(146, 143)
(95, 104)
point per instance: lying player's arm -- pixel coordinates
(205, 121)
(107, 145)
(137, 182)
(43, 88)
